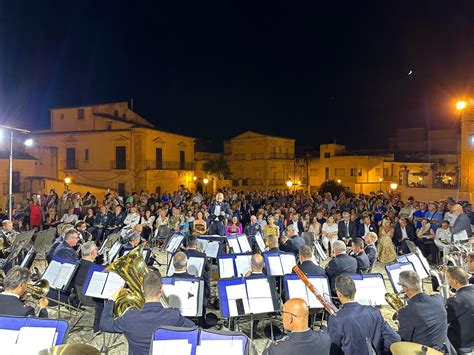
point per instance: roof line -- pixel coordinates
(263, 134)
(89, 105)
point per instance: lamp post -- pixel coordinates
(463, 181)
(339, 181)
(67, 181)
(380, 184)
(28, 143)
(205, 181)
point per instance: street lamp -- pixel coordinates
(380, 184)
(393, 185)
(28, 143)
(461, 105)
(339, 181)
(67, 181)
(289, 183)
(195, 178)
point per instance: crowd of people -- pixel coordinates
(377, 226)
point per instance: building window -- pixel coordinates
(339, 172)
(159, 158)
(327, 155)
(108, 125)
(385, 172)
(120, 157)
(326, 173)
(377, 171)
(61, 116)
(182, 161)
(314, 172)
(353, 171)
(86, 154)
(359, 172)
(124, 116)
(16, 183)
(80, 113)
(71, 158)
(116, 113)
(121, 189)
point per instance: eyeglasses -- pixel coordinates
(292, 314)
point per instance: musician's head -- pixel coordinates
(410, 283)
(357, 245)
(220, 197)
(470, 262)
(152, 283)
(272, 241)
(370, 238)
(89, 251)
(16, 280)
(305, 253)
(80, 226)
(71, 237)
(345, 288)
(180, 262)
(295, 315)
(7, 225)
(457, 277)
(339, 247)
(192, 242)
(457, 209)
(257, 263)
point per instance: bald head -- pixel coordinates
(457, 209)
(295, 316)
(256, 263)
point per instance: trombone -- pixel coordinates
(40, 289)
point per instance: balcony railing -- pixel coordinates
(70, 164)
(275, 155)
(239, 156)
(276, 182)
(257, 156)
(168, 165)
(119, 164)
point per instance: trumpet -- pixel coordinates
(40, 289)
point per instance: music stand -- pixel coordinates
(176, 337)
(29, 258)
(186, 294)
(43, 241)
(222, 240)
(320, 251)
(194, 262)
(108, 243)
(417, 264)
(295, 288)
(393, 273)
(279, 264)
(260, 242)
(370, 289)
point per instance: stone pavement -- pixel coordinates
(79, 334)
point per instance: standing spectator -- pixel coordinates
(386, 248)
(35, 213)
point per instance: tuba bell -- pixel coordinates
(39, 289)
(132, 268)
(396, 302)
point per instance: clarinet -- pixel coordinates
(325, 301)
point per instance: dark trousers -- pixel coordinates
(217, 227)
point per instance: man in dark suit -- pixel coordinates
(370, 249)
(405, 231)
(462, 221)
(65, 250)
(272, 244)
(301, 338)
(139, 325)
(291, 241)
(306, 262)
(356, 326)
(296, 223)
(340, 264)
(460, 311)
(219, 212)
(346, 229)
(366, 227)
(423, 320)
(363, 263)
(14, 285)
(206, 271)
(180, 264)
(257, 263)
(7, 235)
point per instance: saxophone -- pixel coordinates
(396, 302)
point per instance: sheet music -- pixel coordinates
(461, 236)
(322, 255)
(113, 284)
(288, 261)
(244, 243)
(423, 259)
(171, 347)
(322, 287)
(260, 296)
(8, 336)
(202, 244)
(234, 244)
(171, 268)
(96, 284)
(395, 275)
(114, 251)
(226, 268)
(52, 272)
(67, 270)
(174, 243)
(242, 264)
(31, 340)
(212, 248)
(419, 268)
(183, 295)
(260, 242)
(370, 291)
(217, 347)
(274, 265)
(196, 263)
(297, 289)
(235, 293)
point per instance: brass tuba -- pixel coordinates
(396, 302)
(132, 268)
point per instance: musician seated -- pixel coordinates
(62, 231)
(460, 310)
(301, 339)
(206, 273)
(355, 326)
(89, 253)
(306, 262)
(11, 303)
(363, 263)
(470, 266)
(81, 227)
(272, 244)
(6, 237)
(69, 217)
(340, 264)
(370, 249)
(180, 264)
(291, 241)
(65, 250)
(424, 319)
(257, 264)
(139, 325)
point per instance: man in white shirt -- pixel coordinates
(443, 238)
(69, 217)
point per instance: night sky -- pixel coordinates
(315, 72)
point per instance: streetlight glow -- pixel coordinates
(289, 183)
(67, 180)
(195, 178)
(205, 181)
(380, 179)
(339, 181)
(393, 185)
(29, 142)
(461, 105)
